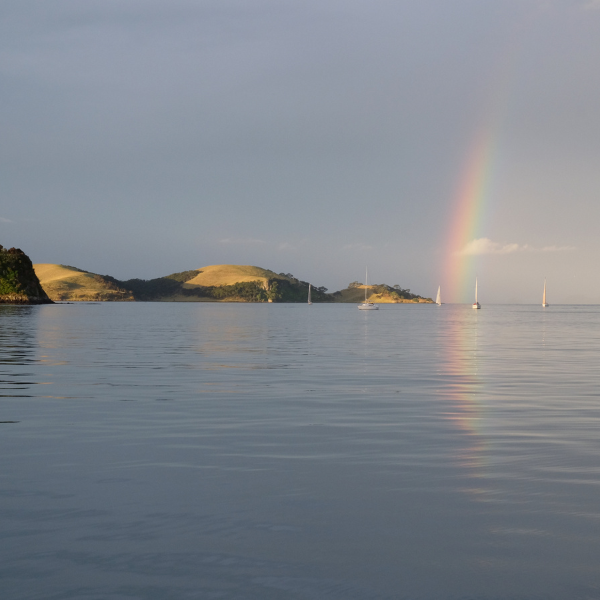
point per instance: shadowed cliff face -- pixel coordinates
(18, 282)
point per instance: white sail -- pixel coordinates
(438, 299)
(476, 304)
(309, 300)
(544, 304)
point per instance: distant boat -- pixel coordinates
(438, 299)
(309, 300)
(367, 305)
(544, 304)
(476, 304)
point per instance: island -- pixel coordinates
(213, 283)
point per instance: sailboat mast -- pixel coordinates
(475, 290)
(366, 305)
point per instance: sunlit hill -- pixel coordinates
(214, 283)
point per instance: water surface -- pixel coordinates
(239, 451)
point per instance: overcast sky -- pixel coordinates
(139, 138)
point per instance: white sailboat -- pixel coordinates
(438, 299)
(367, 305)
(544, 304)
(476, 304)
(309, 300)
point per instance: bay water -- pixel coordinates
(169, 451)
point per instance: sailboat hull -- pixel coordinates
(476, 305)
(368, 307)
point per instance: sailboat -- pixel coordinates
(309, 300)
(476, 304)
(438, 299)
(544, 296)
(367, 305)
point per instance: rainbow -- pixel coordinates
(466, 225)
(476, 184)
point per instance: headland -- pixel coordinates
(213, 283)
(18, 281)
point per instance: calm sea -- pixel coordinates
(265, 452)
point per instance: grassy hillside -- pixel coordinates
(62, 282)
(214, 283)
(380, 294)
(225, 283)
(220, 275)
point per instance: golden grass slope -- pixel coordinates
(69, 283)
(218, 275)
(62, 282)
(357, 295)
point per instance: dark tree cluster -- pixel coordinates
(18, 281)
(297, 291)
(111, 284)
(395, 291)
(12, 251)
(152, 289)
(184, 276)
(250, 291)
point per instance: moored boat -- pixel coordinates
(367, 305)
(476, 304)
